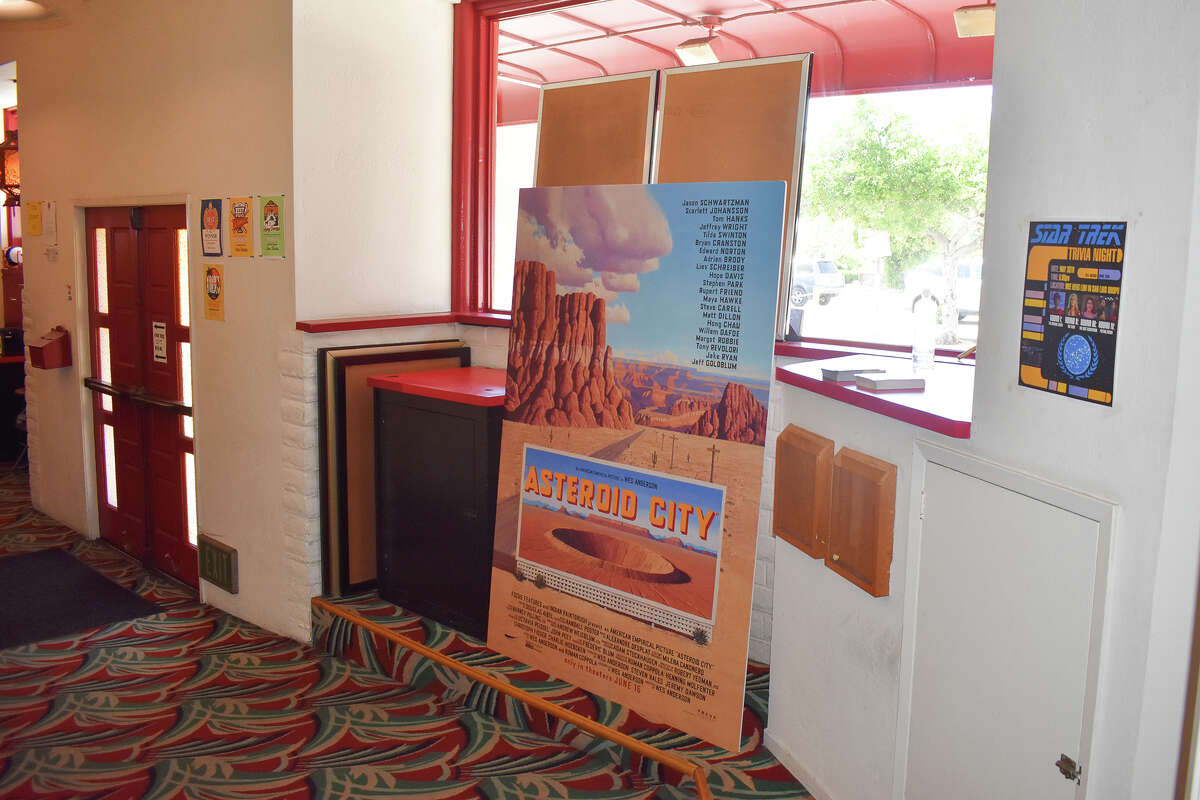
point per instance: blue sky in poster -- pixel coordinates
(636, 247)
(647, 485)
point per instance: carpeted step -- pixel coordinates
(753, 768)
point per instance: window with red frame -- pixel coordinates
(496, 79)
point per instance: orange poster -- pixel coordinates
(214, 292)
(241, 239)
(631, 458)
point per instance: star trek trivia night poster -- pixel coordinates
(1071, 308)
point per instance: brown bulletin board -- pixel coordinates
(348, 449)
(737, 121)
(597, 131)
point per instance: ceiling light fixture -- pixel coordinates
(18, 10)
(699, 50)
(977, 20)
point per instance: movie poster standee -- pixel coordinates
(639, 369)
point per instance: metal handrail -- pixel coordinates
(670, 760)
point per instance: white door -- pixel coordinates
(1001, 648)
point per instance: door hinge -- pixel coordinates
(135, 218)
(1069, 769)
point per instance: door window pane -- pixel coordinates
(189, 469)
(110, 465)
(102, 270)
(185, 314)
(185, 376)
(105, 346)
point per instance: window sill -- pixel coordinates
(943, 407)
(338, 324)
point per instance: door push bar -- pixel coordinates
(137, 394)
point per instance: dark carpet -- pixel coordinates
(50, 593)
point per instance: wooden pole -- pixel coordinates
(677, 763)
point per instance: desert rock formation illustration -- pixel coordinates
(739, 417)
(560, 372)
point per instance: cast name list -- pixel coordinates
(721, 258)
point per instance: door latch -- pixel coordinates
(1069, 769)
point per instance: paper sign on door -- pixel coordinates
(160, 342)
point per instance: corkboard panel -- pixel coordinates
(596, 133)
(803, 490)
(863, 517)
(733, 122)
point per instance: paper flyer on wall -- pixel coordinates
(241, 238)
(214, 292)
(210, 227)
(1072, 300)
(639, 366)
(270, 226)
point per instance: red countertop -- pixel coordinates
(473, 386)
(944, 405)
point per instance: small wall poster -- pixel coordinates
(214, 292)
(631, 456)
(159, 338)
(241, 240)
(33, 218)
(270, 225)
(210, 227)
(1072, 303)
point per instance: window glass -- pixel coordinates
(891, 206)
(516, 152)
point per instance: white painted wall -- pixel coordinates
(372, 96)
(1094, 117)
(133, 101)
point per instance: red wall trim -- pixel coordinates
(832, 348)
(488, 319)
(888, 404)
(472, 182)
(369, 323)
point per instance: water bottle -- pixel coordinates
(924, 332)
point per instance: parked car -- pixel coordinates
(932, 276)
(821, 279)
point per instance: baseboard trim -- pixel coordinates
(789, 760)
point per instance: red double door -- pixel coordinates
(141, 383)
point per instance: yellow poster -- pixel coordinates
(33, 218)
(214, 292)
(241, 240)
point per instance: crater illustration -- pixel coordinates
(630, 559)
(622, 556)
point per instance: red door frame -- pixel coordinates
(146, 416)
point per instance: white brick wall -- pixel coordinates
(299, 413)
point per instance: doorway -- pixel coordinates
(140, 330)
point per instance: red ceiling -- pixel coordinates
(857, 45)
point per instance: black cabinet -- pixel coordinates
(436, 466)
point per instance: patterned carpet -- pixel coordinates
(199, 704)
(195, 703)
(752, 773)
